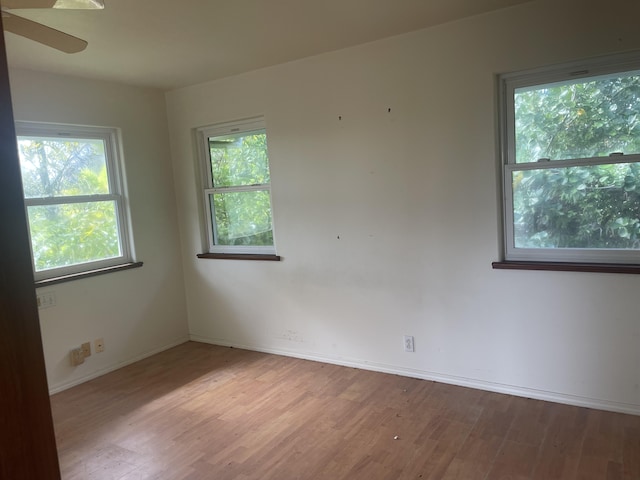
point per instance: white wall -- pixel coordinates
(412, 196)
(138, 311)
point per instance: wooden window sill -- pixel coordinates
(90, 273)
(239, 256)
(568, 267)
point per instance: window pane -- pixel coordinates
(243, 218)
(238, 160)
(577, 207)
(63, 235)
(54, 167)
(583, 119)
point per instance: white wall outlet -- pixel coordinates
(86, 349)
(99, 344)
(46, 300)
(408, 343)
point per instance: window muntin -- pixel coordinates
(571, 143)
(237, 187)
(74, 198)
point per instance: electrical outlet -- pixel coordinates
(46, 300)
(408, 343)
(86, 349)
(99, 343)
(77, 356)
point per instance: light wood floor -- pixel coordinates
(203, 412)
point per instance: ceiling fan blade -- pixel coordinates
(42, 34)
(65, 4)
(28, 3)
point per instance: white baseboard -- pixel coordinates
(98, 373)
(515, 390)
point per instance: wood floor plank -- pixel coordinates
(204, 412)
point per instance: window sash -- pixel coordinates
(241, 188)
(38, 201)
(240, 127)
(212, 228)
(574, 71)
(586, 255)
(83, 199)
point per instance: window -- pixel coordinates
(74, 197)
(237, 189)
(571, 150)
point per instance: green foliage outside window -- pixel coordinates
(578, 207)
(239, 160)
(241, 217)
(64, 234)
(586, 206)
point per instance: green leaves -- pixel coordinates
(69, 234)
(243, 218)
(241, 205)
(53, 167)
(629, 183)
(72, 233)
(578, 120)
(239, 160)
(595, 205)
(577, 207)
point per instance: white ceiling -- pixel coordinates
(174, 43)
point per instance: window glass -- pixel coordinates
(578, 119)
(243, 218)
(73, 233)
(239, 159)
(594, 206)
(60, 167)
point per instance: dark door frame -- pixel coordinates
(27, 440)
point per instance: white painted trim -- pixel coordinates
(515, 390)
(103, 371)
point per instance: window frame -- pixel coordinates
(117, 193)
(507, 85)
(237, 127)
